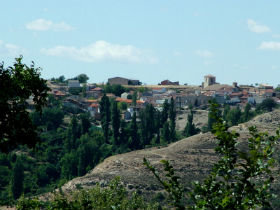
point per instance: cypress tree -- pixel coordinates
(134, 98)
(135, 141)
(105, 116)
(17, 179)
(190, 129)
(85, 121)
(246, 114)
(116, 122)
(166, 132)
(164, 113)
(172, 117)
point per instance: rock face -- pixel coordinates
(192, 159)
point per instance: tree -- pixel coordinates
(226, 111)
(52, 117)
(135, 140)
(246, 113)
(17, 179)
(166, 132)
(18, 83)
(61, 79)
(85, 122)
(211, 120)
(116, 123)
(105, 116)
(172, 117)
(190, 128)
(268, 104)
(83, 78)
(234, 116)
(134, 98)
(164, 113)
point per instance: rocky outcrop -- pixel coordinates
(192, 159)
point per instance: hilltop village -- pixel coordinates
(132, 96)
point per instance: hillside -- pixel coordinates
(191, 157)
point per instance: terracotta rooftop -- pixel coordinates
(96, 89)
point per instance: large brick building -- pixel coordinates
(123, 81)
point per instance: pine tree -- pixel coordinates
(17, 179)
(105, 116)
(116, 123)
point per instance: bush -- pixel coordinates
(114, 196)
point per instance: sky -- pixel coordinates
(149, 40)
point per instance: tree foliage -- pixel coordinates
(17, 179)
(114, 197)
(190, 128)
(17, 84)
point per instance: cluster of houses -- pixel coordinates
(183, 95)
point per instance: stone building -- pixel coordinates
(209, 80)
(123, 81)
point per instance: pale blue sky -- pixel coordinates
(235, 40)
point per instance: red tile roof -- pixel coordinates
(94, 105)
(97, 89)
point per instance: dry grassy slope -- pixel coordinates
(191, 157)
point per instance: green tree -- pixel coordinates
(164, 113)
(83, 78)
(17, 179)
(116, 122)
(234, 116)
(134, 98)
(52, 117)
(157, 119)
(124, 134)
(17, 84)
(85, 122)
(166, 132)
(135, 140)
(105, 116)
(172, 117)
(73, 133)
(267, 105)
(211, 120)
(246, 114)
(69, 164)
(61, 79)
(226, 111)
(190, 128)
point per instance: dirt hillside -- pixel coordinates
(192, 158)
